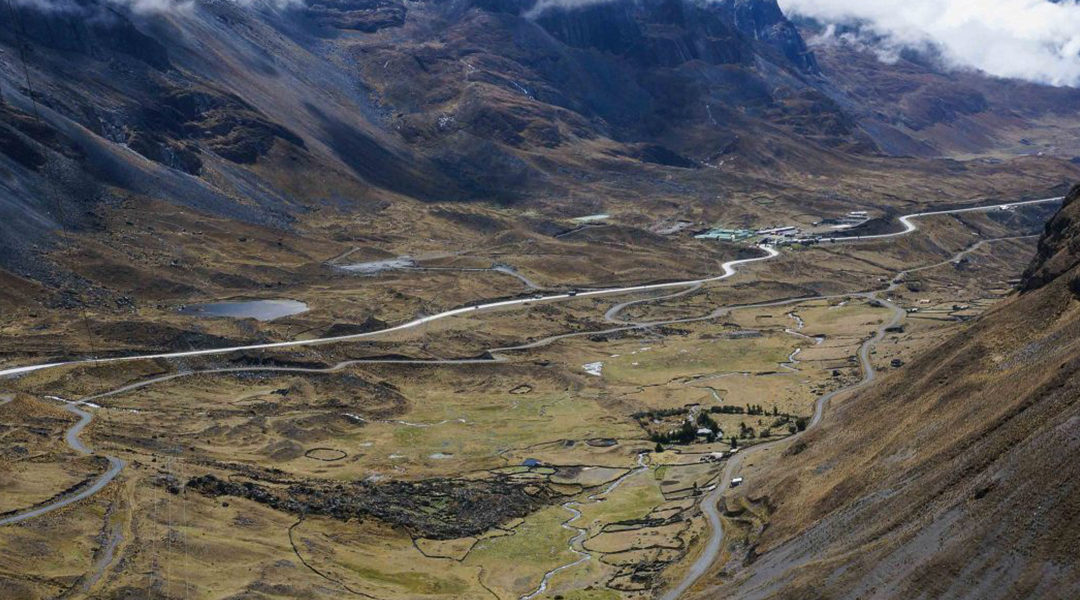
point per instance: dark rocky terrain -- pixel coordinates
(915, 107)
(1059, 248)
(437, 509)
(264, 115)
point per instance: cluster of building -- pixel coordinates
(787, 234)
(782, 236)
(726, 235)
(851, 219)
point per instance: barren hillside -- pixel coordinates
(955, 477)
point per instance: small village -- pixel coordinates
(784, 235)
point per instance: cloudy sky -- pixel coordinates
(1036, 40)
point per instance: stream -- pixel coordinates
(578, 540)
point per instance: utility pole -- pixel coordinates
(20, 32)
(89, 333)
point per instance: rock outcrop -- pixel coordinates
(1059, 247)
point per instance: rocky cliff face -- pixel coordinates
(1059, 247)
(228, 108)
(673, 32)
(432, 101)
(763, 20)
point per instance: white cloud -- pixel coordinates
(140, 6)
(542, 6)
(95, 10)
(1034, 40)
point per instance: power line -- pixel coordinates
(89, 332)
(17, 27)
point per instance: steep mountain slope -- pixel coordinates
(310, 128)
(1059, 249)
(955, 477)
(211, 90)
(910, 104)
(264, 115)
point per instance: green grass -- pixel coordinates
(517, 562)
(701, 357)
(632, 500)
(602, 594)
(419, 583)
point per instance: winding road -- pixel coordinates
(729, 268)
(709, 503)
(72, 439)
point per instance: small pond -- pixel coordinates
(263, 310)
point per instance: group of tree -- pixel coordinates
(707, 422)
(687, 431)
(746, 432)
(727, 410)
(684, 434)
(797, 426)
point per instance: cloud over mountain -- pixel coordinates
(1034, 40)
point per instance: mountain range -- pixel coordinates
(228, 109)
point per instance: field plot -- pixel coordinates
(549, 450)
(597, 511)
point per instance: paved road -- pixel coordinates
(710, 504)
(72, 438)
(910, 226)
(729, 269)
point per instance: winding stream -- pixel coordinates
(578, 540)
(709, 503)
